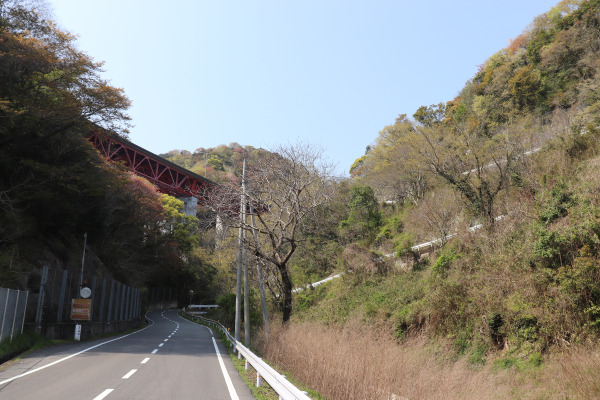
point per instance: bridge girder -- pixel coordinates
(168, 177)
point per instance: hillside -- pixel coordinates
(507, 311)
(222, 164)
(55, 187)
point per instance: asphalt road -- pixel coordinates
(170, 359)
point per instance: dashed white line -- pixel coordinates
(103, 394)
(145, 360)
(160, 345)
(166, 340)
(154, 351)
(128, 375)
(68, 357)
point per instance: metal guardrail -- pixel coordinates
(311, 285)
(284, 388)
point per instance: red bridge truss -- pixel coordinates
(168, 177)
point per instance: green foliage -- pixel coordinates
(182, 228)
(364, 217)
(525, 86)
(19, 344)
(432, 115)
(221, 164)
(357, 166)
(216, 163)
(495, 324)
(403, 244)
(561, 199)
(539, 39)
(593, 313)
(444, 261)
(477, 356)
(547, 248)
(527, 328)
(391, 228)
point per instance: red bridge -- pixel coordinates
(168, 177)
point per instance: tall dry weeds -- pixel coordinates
(579, 370)
(355, 363)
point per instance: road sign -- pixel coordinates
(81, 309)
(85, 292)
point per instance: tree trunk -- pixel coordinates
(287, 292)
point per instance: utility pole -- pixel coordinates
(245, 260)
(82, 264)
(238, 290)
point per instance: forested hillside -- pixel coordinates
(222, 164)
(54, 186)
(508, 310)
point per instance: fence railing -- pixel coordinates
(13, 304)
(111, 300)
(284, 388)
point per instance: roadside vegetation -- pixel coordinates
(27, 341)
(509, 310)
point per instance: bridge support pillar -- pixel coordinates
(190, 205)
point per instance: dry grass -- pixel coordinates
(354, 363)
(579, 371)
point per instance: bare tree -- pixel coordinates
(477, 166)
(289, 184)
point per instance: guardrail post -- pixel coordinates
(246, 365)
(258, 380)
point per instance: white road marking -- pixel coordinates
(160, 345)
(128, 375)
(145, 360)
(103, 394)
(154, 351)
(230, 387)
(67, 357)
(166, 340)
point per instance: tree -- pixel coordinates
(477, 166)
(389, 167)
(288, 187)
(51, 95)
(181, 228)
(364, 218)
(47, 80)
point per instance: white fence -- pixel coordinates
(12, 312)
(283, 387)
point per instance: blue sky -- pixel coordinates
(261, 73)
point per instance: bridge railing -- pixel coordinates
(284, 388)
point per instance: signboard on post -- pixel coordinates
(81, 309)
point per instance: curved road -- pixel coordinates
(170, 359)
